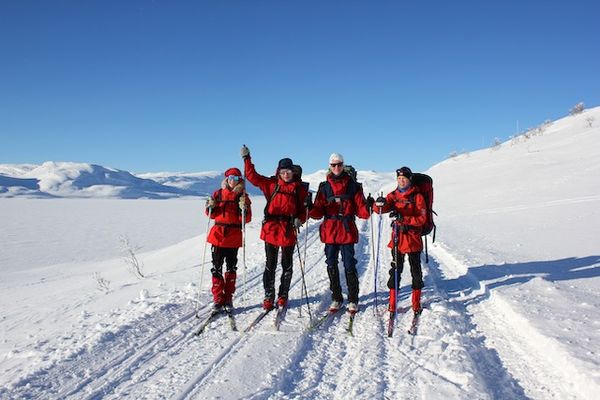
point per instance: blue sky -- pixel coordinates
(151, 86)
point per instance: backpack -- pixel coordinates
(350, 170)
(424, 185)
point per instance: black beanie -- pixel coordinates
(285, 163)
(404, 171)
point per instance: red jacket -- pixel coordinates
(227, 231)
(411, 205)
(339, 210)
(285, 201)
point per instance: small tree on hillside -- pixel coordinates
(136, 267)
(577, 109)
(496, 144)
(590, 121)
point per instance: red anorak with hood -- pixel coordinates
(227, 230)
(339, 210)
(285, 202)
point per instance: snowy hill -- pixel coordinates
(512, 293)
(67, 179)
(540, 193)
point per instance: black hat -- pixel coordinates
(404, 171)
(285, 163)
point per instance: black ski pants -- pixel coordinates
(414, 259)
(287, 254)
(220, 255)
(332, 252)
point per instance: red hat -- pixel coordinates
(233, 171)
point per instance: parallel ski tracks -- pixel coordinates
(522, 350)
(227, 354)
(110, 374)
(118, 371)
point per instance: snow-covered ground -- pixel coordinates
(512, 294)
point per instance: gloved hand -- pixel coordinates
(245, 152)
(308, 203)
(370, 202)
(380, 202)
(396, 214)
(242, 203)
(210, 202)
(297, 223)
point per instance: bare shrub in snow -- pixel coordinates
(136, 267)
(103, 284)
(577, 109)
(496, 144)
(590, 121)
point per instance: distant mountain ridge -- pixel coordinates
(81, 180)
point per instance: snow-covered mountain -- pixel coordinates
(204, 183)
(68, 179)
(512, 293)
(81, 180)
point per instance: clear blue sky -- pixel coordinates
(152, 86)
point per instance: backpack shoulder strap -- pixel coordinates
(325, 188)
(351, 190)
(219, 195)
(270, 198)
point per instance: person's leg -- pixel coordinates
(230, 274)
(218, 284)
(414, 259)
(350, 270)
(331, 258)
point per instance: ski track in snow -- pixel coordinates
(453, 355)
(546, 374)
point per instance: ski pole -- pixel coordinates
(372, 235)
(377, 256)
(302, 291)
(306, 230)
(244, 194)
(203, 262)
(395, 234)
(303, 279)
(244, 243)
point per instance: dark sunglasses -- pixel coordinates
(234, 177)
(336, 165)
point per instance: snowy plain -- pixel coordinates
(512, 297)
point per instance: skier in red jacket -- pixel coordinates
(407, 207)
(285, 212)
(225, 207)
(339, 201)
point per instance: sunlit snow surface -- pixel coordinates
(512, 294)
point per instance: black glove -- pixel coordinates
(396, 215)
(308, 202)
(380, 202)
(370, 202)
